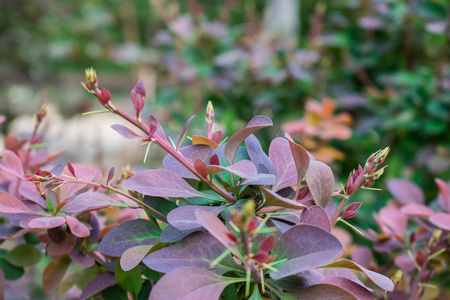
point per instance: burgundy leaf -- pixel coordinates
(268, 243)
(405, 263)
(2, 275)
(405, 191)
(379, 279)
(259, 157)
(198, 249)
(126, 132)
(320, 180)
(171, 234)
(185, 128)
(54, 273)
(191, 153)
(348, 214)
(441, 220)
(273, 199)
(301, 158)
(47, 222)
(89, 201)
(82, 259)
(305, 247)
(416, 209)
(236, 139)
(71, 169)
(391, 217)
(110, 175)
(353, 288)
(159, 131)
(243, 168)
(76, 227)
(188, 283)
(354, 206)
(316, 216)
(214, 160)
(184, 217)
(200, 167)
(97, 285)
(12, 205)
(161, 183)
(217, 137)
(11, 163)
(281, 155)
(211, 223)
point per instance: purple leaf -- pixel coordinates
(84, 172)
(82, 259)
(200, 167)
(183, 132)
(47, 222)
(441, 220)
(184, 217)
(273, 199)
(316, 216)
(416, 209)
(391, 217)
(236, 139)
(405, 263)
(76, 227)
(133, 256)
(12, 205)
(363, 256)
(188, 283)
(379, 279)
(110, 175)
(126, 132)
(191, 153)
(405, 191)
(97, 285)
(161, 183)
(71, 169)
(11, 163)
(90, 201)
(243, 168)
(259, 157)
(64, 247)
(320, 180)
(306, 247)
(353, 288)
(159, 131)
(211, 223)
(261, 179)
(127, 235)
(343, 273)
(280, 154)
(301, 158)
(137, 97)
(198, 249)
(324, 292)
(170, 234)
(444, 196)
(28, 191)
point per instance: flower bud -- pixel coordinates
(106, 95)
(209, 116)
(91, 77)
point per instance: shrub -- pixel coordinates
(221, 221)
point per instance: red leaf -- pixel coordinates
(71, 169)
(76, 227)
(200, 167)
(267, 244)
(217, 137)
(214, 160)
(12, 205)
(11, 163)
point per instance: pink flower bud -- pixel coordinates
(106, 95)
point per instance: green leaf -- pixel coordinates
(11, 272)
(255, 295)
(23, 256)
(50, 205)
(129, 280)
(229, 293)
(145, 291)
(114, 292)
(162, 205)
(152, 275)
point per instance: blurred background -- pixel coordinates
(344, 78)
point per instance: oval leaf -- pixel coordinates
(201, 140)
(259, 157)
(47, 222)
(273, 199)
(184, 217)
(97, 285)
(23, 256)
(76, 227)
(54, 273)
(126, 132)
(441, 220)
(405, 191)
(324, 292)
(11, 205)
(316, 216)
(133, 256)
(243, 168)
(11, 163)
(161, 183)
(281, 155)
(320, 180)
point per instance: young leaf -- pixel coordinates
(217, 137)
(444, 197)
(159, 131)
(184, 217)
(126, 132)
(91, 200)
(198, 249)
(190, 283)
(127, 235)
(82, 259)
(405, 191)
(129, 280)
(137, 97)
(191, 153)
(258, 156)
(11, 163)
(305, 247)
(97, 285)
(379, 279)
(183, 132)
(110, 175)
(200, 167)
(133, 256)
(301, 158)
(12, 205)
(320, 180)
(316, 216)
(273, 199)
(201, 140)
(76, 227)
(84, 172)
(236, 139)
(71, 169)
(281, 155)
(54, 273)
(161, 183)
(243, 168)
